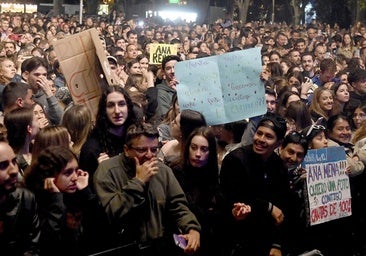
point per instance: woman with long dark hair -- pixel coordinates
(22, 128)
(181, 127)
(115, 114)
(197, 174)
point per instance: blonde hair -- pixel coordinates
(3, 80)
(360, 133)
(315, 106)
(78, 121)
(136, 90)
(50, 136)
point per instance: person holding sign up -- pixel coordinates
(254, 184)
(166, 89)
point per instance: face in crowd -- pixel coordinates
(358, 117)
(271, 103)
(143, 148)
(116, 108)
(294, 152)
(8, 169)
(169, 70)
(66, 179)
(265, 141)
(341, 131)
(198, 151)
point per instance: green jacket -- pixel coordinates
(142, 212)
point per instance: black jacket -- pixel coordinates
(19, 224)
(71, 224)
(246, 178)
(88, 160)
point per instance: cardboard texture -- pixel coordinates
(85, 67)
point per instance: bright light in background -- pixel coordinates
(173, 15)
(103, 9)
(149, 14)
(13, 7)
(309, 17)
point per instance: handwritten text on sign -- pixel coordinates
(224, 88)
(328, 184)
(159, 51)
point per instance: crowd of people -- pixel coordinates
(144, 177)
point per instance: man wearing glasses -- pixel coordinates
(19, 224)
(141, 195)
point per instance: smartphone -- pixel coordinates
(180, 241)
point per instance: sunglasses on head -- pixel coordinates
(297, 137)
(5, 164)
(315, 127)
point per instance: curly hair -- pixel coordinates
(103, 123)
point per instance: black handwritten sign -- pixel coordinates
(159, 51)
(327, 184)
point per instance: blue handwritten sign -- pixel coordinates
(327, 184)
(224, 88)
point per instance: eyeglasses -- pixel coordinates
(5, 164)
(315, 127)
(145, 150)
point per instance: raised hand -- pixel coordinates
(102, 156)
(82, 180)
(49, 185)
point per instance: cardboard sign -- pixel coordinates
(224, 88)
(327, 184)
(85, 67)
(159, 51)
